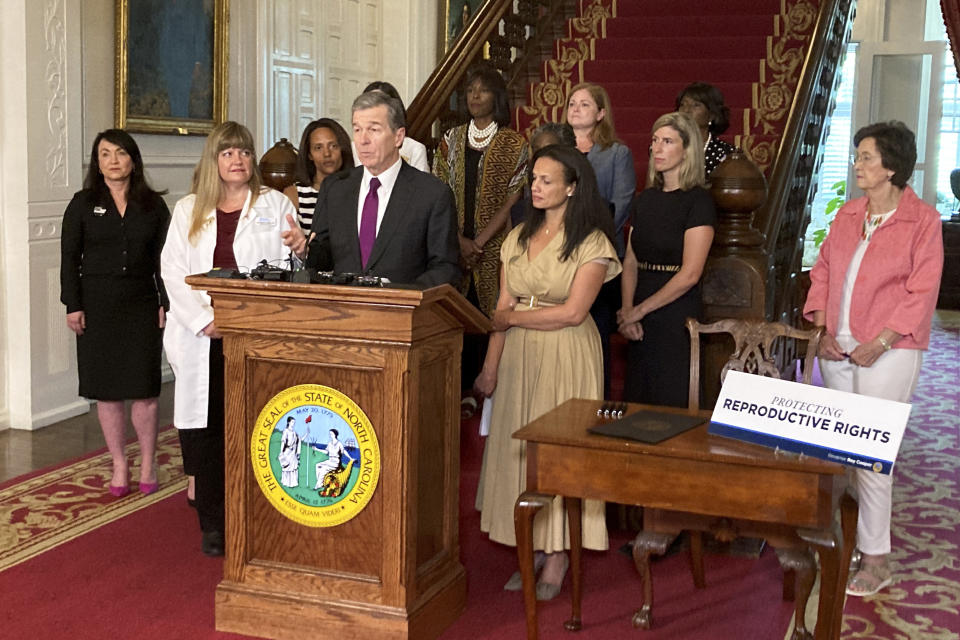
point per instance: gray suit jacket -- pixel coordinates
(417, 242)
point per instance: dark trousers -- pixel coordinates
(604, 313)
(203, 450)
(474, 349)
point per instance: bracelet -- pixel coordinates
(886, 345)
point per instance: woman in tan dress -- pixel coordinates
(545, 347)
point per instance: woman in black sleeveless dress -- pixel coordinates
(672, 230)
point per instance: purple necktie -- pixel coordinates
(368, 221)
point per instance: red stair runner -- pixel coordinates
(648, 50)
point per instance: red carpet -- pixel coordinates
(742, 599)
(140, 577)
(674, 40)
(143, 575)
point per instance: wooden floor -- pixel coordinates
(25, 451)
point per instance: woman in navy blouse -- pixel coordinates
(591, 116)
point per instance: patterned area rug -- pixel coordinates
(47, 510)
(56, 506)
(923, 601)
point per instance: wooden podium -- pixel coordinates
(393, 570)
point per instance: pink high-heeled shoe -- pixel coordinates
(146, 488)
(119, 492)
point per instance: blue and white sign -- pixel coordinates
(848, 428)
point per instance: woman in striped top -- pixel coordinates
(324, 150)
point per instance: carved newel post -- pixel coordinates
(735, 278)
(734, 281)
(278, 165)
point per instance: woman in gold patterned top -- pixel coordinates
(484, 163)
(545, 348)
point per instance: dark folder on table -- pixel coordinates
(648, 426)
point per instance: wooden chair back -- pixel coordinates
(753, 351)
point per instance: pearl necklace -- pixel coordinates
(707, 144)
(480, 138)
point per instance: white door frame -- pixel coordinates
(931, 89)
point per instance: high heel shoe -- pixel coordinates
(549, 590)
(515, 583)
(119, 492)
(146, 488)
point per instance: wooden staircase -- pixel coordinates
(777, 62)
(645, 51)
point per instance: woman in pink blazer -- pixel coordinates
(874, 287)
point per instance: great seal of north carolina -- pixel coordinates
(315, 455)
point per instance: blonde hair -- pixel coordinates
(691, 168)
(207, 184)
(604, 133)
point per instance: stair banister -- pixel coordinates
(434, 97)
(797, 164)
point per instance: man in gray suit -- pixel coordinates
(385, 218)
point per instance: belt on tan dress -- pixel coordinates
(649, 266)
(533, 302)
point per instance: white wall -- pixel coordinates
(13, 183)
(57, 93)
(318, 55)
(169, 160)
(899, 77)
(41, 145)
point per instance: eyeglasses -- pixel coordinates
(863, 158)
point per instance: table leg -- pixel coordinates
(574, 510)
(829, 550)
(829, 546)
(800, 565)
(527, 506)
(789, 584)
(696, 559)
(849, 513)
(644, 544)
(835, 549)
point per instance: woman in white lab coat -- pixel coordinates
(231, 221)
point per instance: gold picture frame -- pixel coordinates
(456, 15)
(170, 73)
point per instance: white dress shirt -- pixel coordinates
(387, 179)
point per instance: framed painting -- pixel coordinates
(457, 15)
(171, 65)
